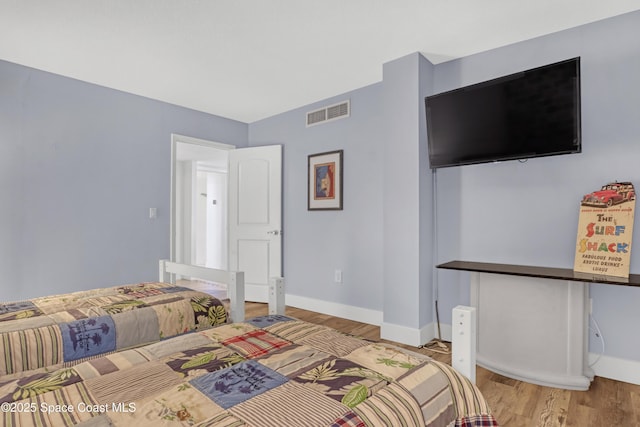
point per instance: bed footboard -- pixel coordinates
(234, 281)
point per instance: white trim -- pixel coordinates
(616, 369)
(358, 314)
(209, 169)
(447, 332)
(389, 331)
(406, 335)
(412, 336)
(175, 139)
(556, 380)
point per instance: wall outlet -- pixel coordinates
(153, 213)
(337, 276)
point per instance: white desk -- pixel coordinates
(533, 322)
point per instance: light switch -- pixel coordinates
(337, 276)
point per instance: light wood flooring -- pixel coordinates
(607, 403)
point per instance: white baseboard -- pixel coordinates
(358, 314)
(616, 369)
(388, 331)
(406, 335)
(446, 332)
(412, 336)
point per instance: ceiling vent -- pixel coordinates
(327, 114)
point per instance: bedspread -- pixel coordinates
(268, 371)
(64, 329)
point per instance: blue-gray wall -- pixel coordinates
(407, 197)
(80, 166)
(511, 212)
(316, 243)
(527, 213)
(380, 240)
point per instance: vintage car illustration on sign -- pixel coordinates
(609, 195)
(605, 231)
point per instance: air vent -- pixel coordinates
(326, 114)
(316, 117)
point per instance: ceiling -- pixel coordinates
(251, 59)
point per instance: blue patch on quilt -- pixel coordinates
(17, 306)
(88, 337)
(173, 289)
(238, 383)
(271, 319)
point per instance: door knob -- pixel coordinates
(274, 232)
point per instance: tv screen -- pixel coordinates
(528, 114)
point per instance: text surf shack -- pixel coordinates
(605, 228)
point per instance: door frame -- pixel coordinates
(175, 140)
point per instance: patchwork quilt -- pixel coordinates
(63, 330)
(268, 371)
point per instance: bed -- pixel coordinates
(62, 330)
(271, 370)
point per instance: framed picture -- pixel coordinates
(324, 189)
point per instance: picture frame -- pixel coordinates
(324, 181)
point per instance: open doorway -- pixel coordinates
(210, 216)
(199, 171)
(251, 195)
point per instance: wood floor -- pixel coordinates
(607, 403)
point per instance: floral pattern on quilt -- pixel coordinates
(387, 359)
(267, 371)
(344, 381)
(294, 360)
(175, 318)
(34, 385)
(49, 331)
(142, 290)
(201, 360)
(122, 306)
(18, 310)
(208, 312)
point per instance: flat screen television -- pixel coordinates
(533, 113)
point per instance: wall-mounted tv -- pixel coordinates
(533, 113)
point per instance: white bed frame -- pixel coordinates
(234, 281)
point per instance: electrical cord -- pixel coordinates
(598, 333)
(434, 247)
(436, 346)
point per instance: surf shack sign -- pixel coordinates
(605, 228)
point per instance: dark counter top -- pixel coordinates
(540, 272)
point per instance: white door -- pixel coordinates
(255, 217)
